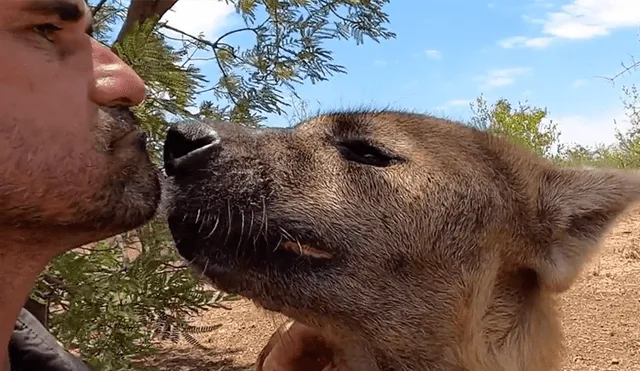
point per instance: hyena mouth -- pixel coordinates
(305, 250)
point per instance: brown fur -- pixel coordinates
(449, 258)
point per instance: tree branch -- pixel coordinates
(626, 68)
(140, 11)
(97, 8)
(215, 45)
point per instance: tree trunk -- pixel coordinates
(141, 10)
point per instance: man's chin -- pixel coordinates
(112, 211)
(138, 205)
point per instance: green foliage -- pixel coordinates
(627, 147)
(523, 125)
(104, 18)
(288, 50)
(171, 87)
(596, 156)
(625, 152)
(109, 306)
(631, 102)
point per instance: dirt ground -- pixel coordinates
(601, 316)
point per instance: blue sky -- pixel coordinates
(447, 52)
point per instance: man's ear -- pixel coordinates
(576, 207)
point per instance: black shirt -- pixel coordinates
(33, 348)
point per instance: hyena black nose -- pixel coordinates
(187, 145)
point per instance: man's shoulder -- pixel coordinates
(32, 347)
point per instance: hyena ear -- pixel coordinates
(576, 207)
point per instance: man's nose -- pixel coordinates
(188, 146)
(115, 83)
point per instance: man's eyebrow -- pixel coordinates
(65, 10)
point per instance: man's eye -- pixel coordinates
(47, 30)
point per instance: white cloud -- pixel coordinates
(521, 41)
(454, 103)
(195, 16)
(585, 130)
(579, 83)
(433, 54)
(501, 77)
(581, 20)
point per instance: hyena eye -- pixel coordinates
(365, 153)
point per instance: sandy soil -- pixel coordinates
(601, 316)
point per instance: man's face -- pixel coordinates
(71, 156)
